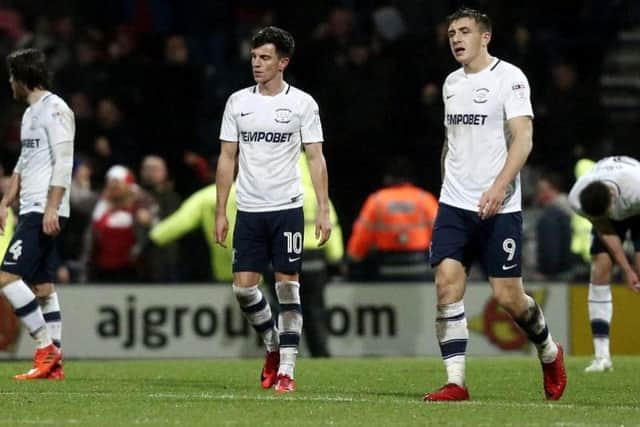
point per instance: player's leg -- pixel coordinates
(26, 307)
(21, 259)
(451, 329)
(290, 326)
(600, 306)
(287, 234)
(250, 257)
(503, 261)
(600, 302)
(449, 255)
(510, 294)
(43, 279)
(50, 305)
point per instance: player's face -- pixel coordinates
(19, 91)
(265, 63)
(467, 40)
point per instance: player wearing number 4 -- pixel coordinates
(41, 178)
(488, 119)
(609, 196)
(267, 124)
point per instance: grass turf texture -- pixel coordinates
(505, 391)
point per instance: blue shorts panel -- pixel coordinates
(631, 225)
(31, 254)
(263, 238)
(495, 242)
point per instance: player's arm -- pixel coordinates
(224, 180)
(610, 238)
(521, 129)
(320, 180)
(60, 129)
(13, 189)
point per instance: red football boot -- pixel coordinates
(43, 362)
(56, 372)
(449, 392)
(269, 373)
(555, 376)
(285, 384)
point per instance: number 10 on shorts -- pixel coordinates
(294, 242)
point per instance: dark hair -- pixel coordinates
(281, 39)
(482, 19)
(29, 66)
(595, 199)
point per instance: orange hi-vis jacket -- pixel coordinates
(394, 219)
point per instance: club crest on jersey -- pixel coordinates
(283, 115)
(480, 96)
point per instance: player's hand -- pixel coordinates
(3, 218)
(323, 229)
(491, 201)
(633, 282)
(50, 222)
(222, 228)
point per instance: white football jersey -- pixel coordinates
(270, 131)
(476, 109)
(46, 123)
(621, 172)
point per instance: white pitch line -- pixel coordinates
(247, 397)
(56, 421)
(546, 405)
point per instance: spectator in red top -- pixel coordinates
(119, 222)
(392, 234)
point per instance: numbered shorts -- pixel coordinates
(32, 254)
(630, 225)
(495, 242)
(260, 238)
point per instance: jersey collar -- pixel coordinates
(492, 66)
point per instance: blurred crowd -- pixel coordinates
(148, 80)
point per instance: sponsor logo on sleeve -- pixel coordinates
(520, 90)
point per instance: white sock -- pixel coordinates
(258, 312)
(27, 309)
(290, 325)
(51, 311)
(452, 333)
(600, 314)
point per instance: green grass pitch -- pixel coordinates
(505, 391)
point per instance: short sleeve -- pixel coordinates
(311, 128)
(517, 96)
(60, 124)
(229, 126)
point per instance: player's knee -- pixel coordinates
(43, 290)
(449, 288)
(6, 278)
(512, 300)
(449, 292)
(288, 292)
(601, 267)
